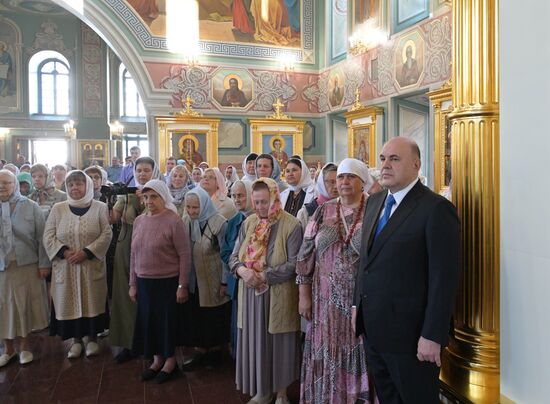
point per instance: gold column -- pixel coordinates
(471, 366)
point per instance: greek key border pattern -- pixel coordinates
(150, 42)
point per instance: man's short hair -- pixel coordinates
(134, 148)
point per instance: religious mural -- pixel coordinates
(93, 153)
(336, 87)
(190, 147)
(232, 88)
(259, 26)
(278, 146)
(421, 57)
(10, 67)
(409, 59)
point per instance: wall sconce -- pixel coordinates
(288, 61)
(117, 130)
(367, 36)
(70, 130)
(4, 132)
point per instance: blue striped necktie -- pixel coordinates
(390, 201)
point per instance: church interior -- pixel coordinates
(83, 81)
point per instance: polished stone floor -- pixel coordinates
(52, 378)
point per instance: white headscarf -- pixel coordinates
(248, 189)
(146, 160)
(246, 176)
(161, 188)
(6, 241)
(234, 177)
(320, 185)
(86, 200)
(305, 179)
(357, 167)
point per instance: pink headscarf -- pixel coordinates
(221, 193)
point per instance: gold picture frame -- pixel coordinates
(193, 139)
(441, 100)
(281, 138)
(92, 152)
(363, 126)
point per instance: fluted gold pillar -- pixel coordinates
(472, 362)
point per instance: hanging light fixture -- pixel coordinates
(182, 29)
(70, 130)
(117, 130)
(367, 36)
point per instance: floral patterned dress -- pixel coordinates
(334, 368)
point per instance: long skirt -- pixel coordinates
(158, 327)
(205, 327)
(123, 310)
(266, 363)
(23, 301)
(79, 327)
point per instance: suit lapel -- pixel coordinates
(372, 211)
(405, 208)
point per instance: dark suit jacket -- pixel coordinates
(408, 276)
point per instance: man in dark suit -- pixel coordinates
(407, 279)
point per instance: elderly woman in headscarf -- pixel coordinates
(207, 314)
(268, 167)
(159, 278)
(76, 238)
(334, 368)
(325, 189)
(180, 184)
(264, 259)
(241, 193)
(213, 183)
(24, 265)
(99, 178)
(127, 209)
(45, 193)
(300, 186)
(25, 183)
(249, 167)
(230, 178)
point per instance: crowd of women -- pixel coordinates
(199, 259)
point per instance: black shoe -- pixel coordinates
(149, 374)
(163, 376)
(194, 363)
(124, 356)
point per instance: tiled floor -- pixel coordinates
(52, 378)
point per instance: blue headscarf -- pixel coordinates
(207, 210)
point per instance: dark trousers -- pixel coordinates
(400, 378)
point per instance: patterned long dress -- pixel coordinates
(334, 368)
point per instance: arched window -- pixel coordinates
(131, 105)
(49, 84)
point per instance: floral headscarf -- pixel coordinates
(178, 194)
(40, 195)
(256, 250)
